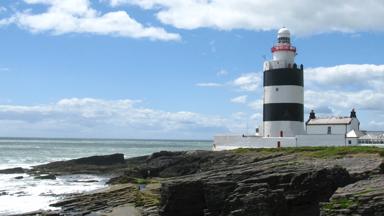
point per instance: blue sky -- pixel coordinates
(178, 69)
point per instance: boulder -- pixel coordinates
(17, 170)
(105, 160)
(49, 176)
(88, 165)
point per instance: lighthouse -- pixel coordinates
(283, 109)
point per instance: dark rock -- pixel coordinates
(50, 176)
(277, 186)
(255, 199)
(85, 181)
(183, 199)
(17, 170)
(105, 160)
(365, 197)
(88, 165)
(19, 177)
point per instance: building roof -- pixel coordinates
(355, 134)
(330, 121)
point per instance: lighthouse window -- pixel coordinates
(277, 89)
(284, 40)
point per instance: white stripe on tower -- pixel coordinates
(283, 94)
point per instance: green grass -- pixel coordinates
(341, 203)
(318, 152)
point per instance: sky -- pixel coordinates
(171, 69)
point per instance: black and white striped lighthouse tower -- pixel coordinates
(283, 109)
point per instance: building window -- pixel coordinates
(349, 142)
(277, 89)
(329, 130)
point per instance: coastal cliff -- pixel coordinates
(247, 182)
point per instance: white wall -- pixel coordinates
(354, 141)
(321, 140)
(323, 129)
(289, 128)
(225, 142)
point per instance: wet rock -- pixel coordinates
(105, 160)
(50, 176)
(17, 170)
(88, 165)
(19, 177)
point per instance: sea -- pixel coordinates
(21, 193)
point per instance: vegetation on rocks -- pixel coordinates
(318, 152)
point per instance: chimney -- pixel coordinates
(312, 114)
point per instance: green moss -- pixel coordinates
(318, 152)
(341, 203)
(146, 198)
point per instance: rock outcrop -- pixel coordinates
(365, 198)
(276, 186)
(105, 164)
(233, 183)
(258, 182)
(17, 170)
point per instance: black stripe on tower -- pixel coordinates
(284, 76)
(283, 112)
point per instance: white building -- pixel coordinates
(283, 111)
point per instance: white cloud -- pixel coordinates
(302, 16)
(209, 84)
(363, 99)
(364, 75)
(343, 87)
(240, 100)
(77, 16)
(248, 82)
(88, 117)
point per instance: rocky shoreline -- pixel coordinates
(293, 181)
